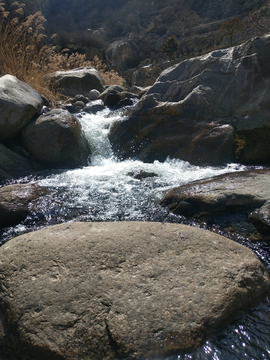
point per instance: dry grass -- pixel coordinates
(24, 53)
(64, 61)
(111, 77)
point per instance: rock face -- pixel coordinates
(156, 130)
(224, 198)
(77, 81)
(16, 201)
(145, 76)
(56, 140)
(122, 290)
(19, 102)
(206, 110)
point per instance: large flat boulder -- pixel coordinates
(122, 290)
(207, 110)
(77, 81)
(19, 102)
(56, 139)
(232, 201)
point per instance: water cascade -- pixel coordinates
(110, 189)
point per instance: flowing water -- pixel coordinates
(110, 190)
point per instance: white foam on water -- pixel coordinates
(108, 186)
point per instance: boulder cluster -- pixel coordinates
(34, 137)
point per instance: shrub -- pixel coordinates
(232, 27)
(170, 46)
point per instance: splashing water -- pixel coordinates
(110, 189)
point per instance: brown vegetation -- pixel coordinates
(24, 53)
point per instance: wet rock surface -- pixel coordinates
(225, 199)
(17, 201)
(157, 130)
(141, 174)
(56, 140)
(122, 290)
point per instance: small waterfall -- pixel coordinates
(110, 189)
(96, 128)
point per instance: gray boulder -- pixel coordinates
(109, 89)
(132, 290)
(56, 140)
(219, 98)
(235, 202)
(233, 81)
(19, 102)
(17, 201)
(115, 97)
(93, 94)
(13, 165)
(77, 81)
(118, 54)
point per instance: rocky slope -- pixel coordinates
(208, 110)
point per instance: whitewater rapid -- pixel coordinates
(108, 187)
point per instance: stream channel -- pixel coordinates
(110, 190)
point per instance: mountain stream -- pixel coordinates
(114, 190)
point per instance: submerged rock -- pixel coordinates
(122, 290)
(141, 174)
(94, 106)
(222, 199)
(116, 97)
(56, 140)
